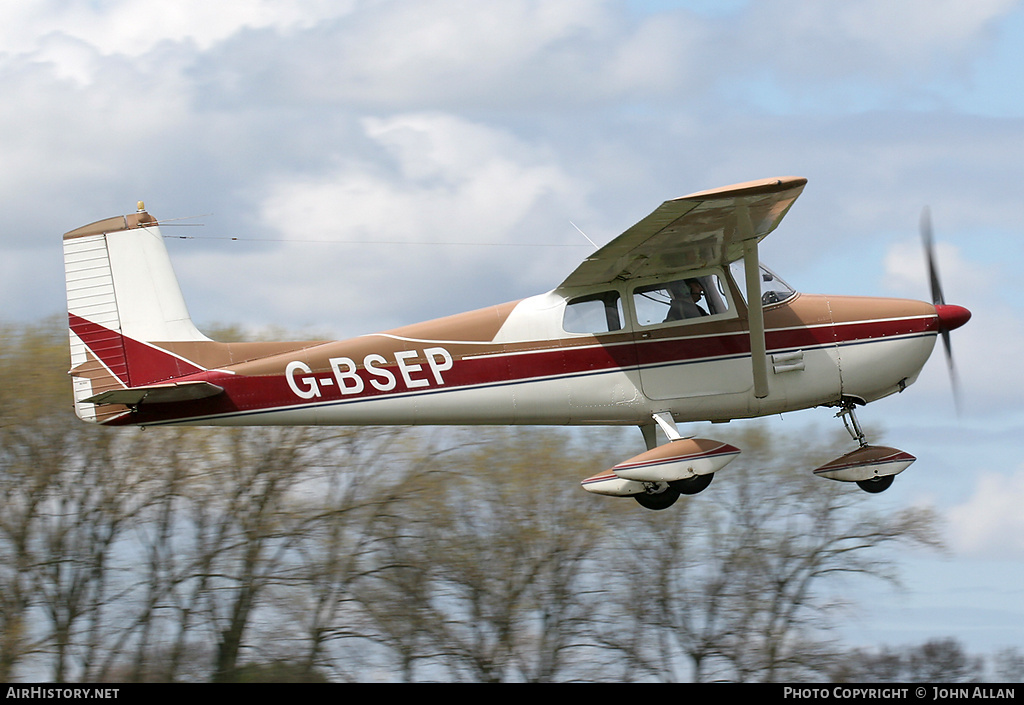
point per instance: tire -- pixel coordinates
(662, 500)
(692, 485)
(876, 484)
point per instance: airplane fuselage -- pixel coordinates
(500, 366)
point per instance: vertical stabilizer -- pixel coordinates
(123, 300)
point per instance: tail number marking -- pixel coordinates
(307, 385)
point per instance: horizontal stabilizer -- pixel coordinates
(157, 394)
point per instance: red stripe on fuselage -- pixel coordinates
(683, 350)
(246, 394)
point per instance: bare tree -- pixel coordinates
(487, 577)
(941, 660)
(195, 554)
(367, 469)
(1008, 665)
(69, 495)
(31, 452)
(243, 528)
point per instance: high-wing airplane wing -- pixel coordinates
(707, 228)
(692, 232)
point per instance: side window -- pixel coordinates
(680, 300)
(595, 313)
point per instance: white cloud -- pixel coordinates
(134, 27)
(990, 523)
(440, 180)
(906, 273)
(458, 54)
(450, 180)
(436, 118)
(837, 38)
(62, 138)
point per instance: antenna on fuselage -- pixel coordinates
(583, 234)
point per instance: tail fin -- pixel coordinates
(123, 300)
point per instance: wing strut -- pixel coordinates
(755, 312)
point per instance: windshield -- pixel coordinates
(773, 289)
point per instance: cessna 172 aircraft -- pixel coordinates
(673, 321)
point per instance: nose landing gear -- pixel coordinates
(871, 467)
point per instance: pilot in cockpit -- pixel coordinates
(685, 294)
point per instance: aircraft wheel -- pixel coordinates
(692, 485)
(876, 484)
(662, 500)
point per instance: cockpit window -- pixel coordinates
(773, 289)
(680, 300)
(594, 313)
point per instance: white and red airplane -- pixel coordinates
(673, 321)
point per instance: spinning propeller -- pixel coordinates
(950, 316)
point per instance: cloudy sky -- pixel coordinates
(383, 162)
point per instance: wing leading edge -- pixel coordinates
(692, 232)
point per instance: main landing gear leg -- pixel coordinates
(658, 495)
(663, 493)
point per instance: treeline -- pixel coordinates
(397, 554)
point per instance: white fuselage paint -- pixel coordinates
(606, 397)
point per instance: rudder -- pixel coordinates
(123, 296)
